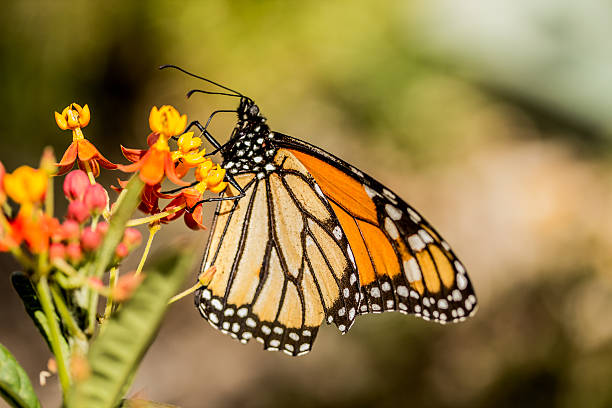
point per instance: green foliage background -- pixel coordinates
(492, 117)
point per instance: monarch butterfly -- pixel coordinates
(301, 237)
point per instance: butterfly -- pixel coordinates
(301, 237)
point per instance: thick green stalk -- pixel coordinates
(44, 295)
(125, 208)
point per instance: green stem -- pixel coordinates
(49, 198)
(90, 175)
(152, 231)
(126, 204)
(67, 319)
(152, 218)
(112, 283)
(44, 295)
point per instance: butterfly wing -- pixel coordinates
(403, 263)
(282, 262)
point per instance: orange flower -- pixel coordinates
(187, 198)
(35, 229)
(26, 185)
(208, 178)
(153, 164)
(188, 154)
(166, 121)
(149, 199)
(73, 117)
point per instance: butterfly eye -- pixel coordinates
(254, 110)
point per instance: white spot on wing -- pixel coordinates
(356, 171)
(391, 228)
(426, 237)
(337, 232)
(393, 212)
(350, 255)
(371, 193)
(413, 215)
(461, 281)
(412, 270)
(318, 190)
(388, 194)
(415, 242)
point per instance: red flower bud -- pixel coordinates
(90, 239)
(122, 250)
(74, 252)
(70, 229)
(126, 285)
(102, 227)
(78, 211)
(75, 184)
(57, 251)
(95, 198)
(132, 237)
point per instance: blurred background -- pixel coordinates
(492, 117)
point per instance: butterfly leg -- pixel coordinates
(234, 184)
(218, 147)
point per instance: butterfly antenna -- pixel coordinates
(210, 93)
(235, 93)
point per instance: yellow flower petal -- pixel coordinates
(26, 185)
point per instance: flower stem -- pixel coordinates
(152, 218)
(112, 283)
(44, 295)
(124, 207)
(92, 179)
(153, 228)
(49, 199)
(186, 292)
(203, 280)
(66, 316)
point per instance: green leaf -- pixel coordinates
(15, 386)
(116, 353)
(23, 286)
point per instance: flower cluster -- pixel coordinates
(66, 247)
(71, 261)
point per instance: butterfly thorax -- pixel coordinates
(251, 148)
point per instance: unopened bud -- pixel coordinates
(95, 198)
(70, 229)
(57, 251)
(74, 252)
(75, 184)
(132, 237)
(90, 239)
(78, 211)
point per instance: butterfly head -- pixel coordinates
(248, 111)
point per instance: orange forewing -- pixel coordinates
(340, 187)
(356, 212)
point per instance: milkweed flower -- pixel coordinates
(156, 162)
(209, 178)
(74, 117)
(35, 229)
(167, 121)
(188, 154)
(26, 185)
